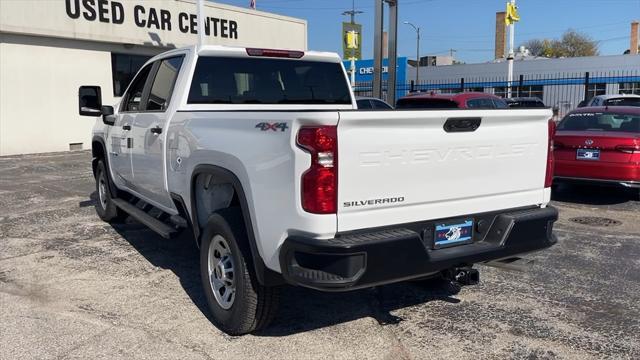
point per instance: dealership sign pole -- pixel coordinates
(511, 18)
(200, 23)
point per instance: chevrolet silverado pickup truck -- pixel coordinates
(265, 157)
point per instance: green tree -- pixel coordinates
(571, 44)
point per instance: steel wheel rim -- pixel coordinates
(102, 191)
(221, 272)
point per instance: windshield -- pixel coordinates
(600, 122)
(219, 80)
(622, 102)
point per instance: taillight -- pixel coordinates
(629, 149)
(548, 180)
(292, 54)
(320, 182)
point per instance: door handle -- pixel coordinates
(156, 130)
(126, 127)
(462, 124)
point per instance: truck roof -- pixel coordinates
(236, 51)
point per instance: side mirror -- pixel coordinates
(107, 115)
(89, 101)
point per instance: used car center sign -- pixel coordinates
(167, 23)
(149, 17)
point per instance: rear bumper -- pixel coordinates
(598, 171)
(579, 180)
(364, 259)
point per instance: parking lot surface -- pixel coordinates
(74, 287)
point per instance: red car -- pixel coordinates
(466, 100)
(600, 145)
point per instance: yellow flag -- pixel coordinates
(352, 40)
(512, 14)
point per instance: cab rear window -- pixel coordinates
(600, 122)
(219, 80)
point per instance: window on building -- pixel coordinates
(521, 91)
(455, 90)
(629, 88)
(530, 91)
(596, 89)
(123, 68)
(163, 83)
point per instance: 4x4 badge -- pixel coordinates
(265, 126)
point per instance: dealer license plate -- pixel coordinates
(452, 233)
(588, 154)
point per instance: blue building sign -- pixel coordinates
(364, 73)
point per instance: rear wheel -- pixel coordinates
(105, 207)
(238, 303)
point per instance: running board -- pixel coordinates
(514, 263)
(151, 222)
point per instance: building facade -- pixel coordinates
(50, 48)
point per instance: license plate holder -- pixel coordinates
(588, 154)
(453, 233)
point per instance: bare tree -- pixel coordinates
(535, 46)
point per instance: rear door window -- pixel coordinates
(600, 122)
(380, 105)
(364, 104)
(481, 103)
(219, 80)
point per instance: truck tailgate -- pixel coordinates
(402, 166)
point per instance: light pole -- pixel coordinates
(417, 29)
(353, 12)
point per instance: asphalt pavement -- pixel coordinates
(74, 287)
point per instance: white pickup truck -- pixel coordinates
(264, 156)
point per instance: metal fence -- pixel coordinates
(563, 92)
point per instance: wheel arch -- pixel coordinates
(264, 275)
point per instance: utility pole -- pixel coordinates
(417, 29)
(511, 54)
(377, 49)
(393, 51)
(353, 12)
(451, 52)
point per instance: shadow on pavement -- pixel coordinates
(300, 309)
(593, 195)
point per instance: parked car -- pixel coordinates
(599, 145)
(525, 102)
(281, 182)
(612, 100)
(370, 103)
(467, 100)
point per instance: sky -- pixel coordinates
(467, 26)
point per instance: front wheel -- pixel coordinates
(238, 303)
(106, 209)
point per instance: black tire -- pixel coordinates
(105, 207)
(253, 305)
